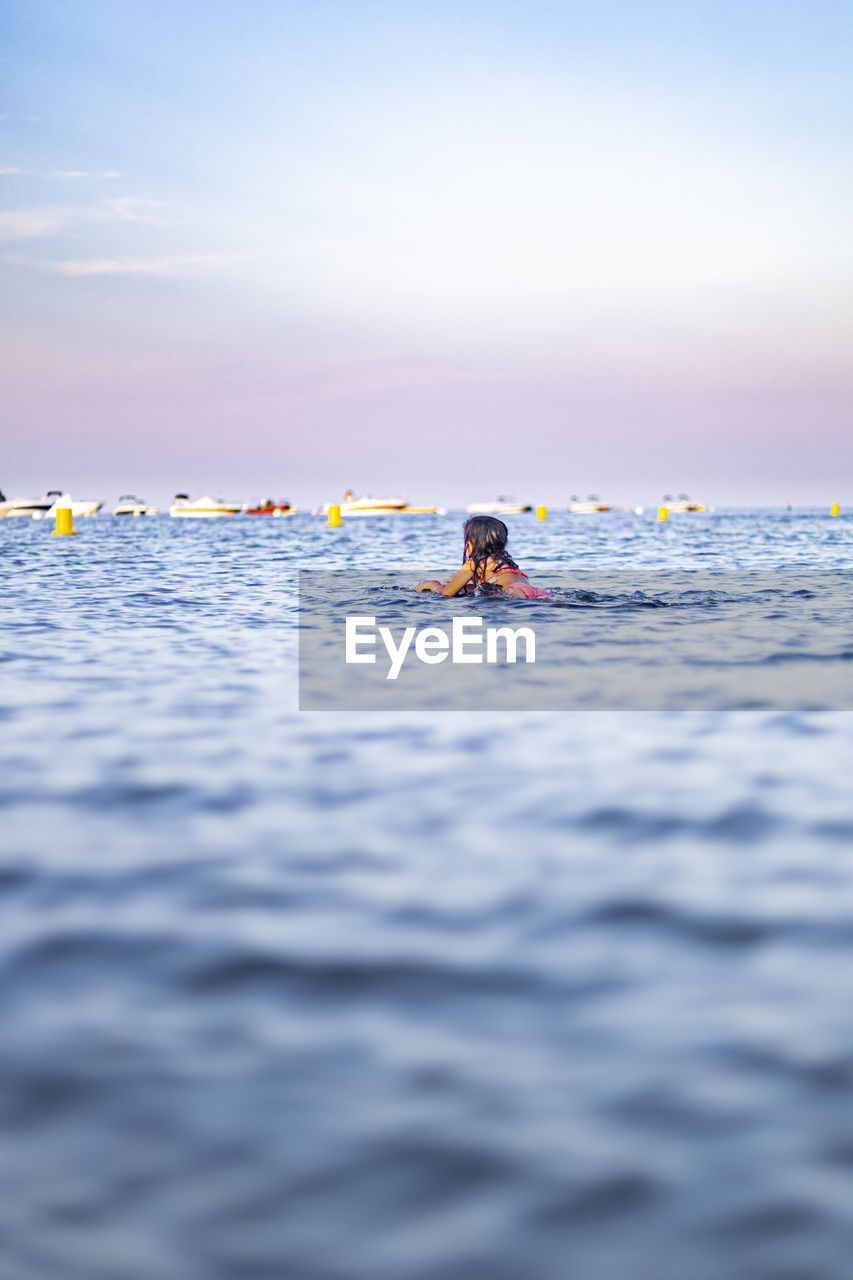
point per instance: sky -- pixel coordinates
(441, 249)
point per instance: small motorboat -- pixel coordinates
(202, 508)
(350, 505)
(500, 507)
(39, 508)
(83, 507)
(130, 505)
(271, 508)
(42, 508)
(592, 504)
(682, 503)
(34, 508)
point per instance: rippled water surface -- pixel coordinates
(393, 995)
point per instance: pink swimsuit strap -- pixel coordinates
(524, 587)
(506, 569)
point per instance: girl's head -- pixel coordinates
(485, 539)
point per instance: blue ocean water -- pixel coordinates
(322, 996)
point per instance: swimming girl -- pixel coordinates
(486, 561)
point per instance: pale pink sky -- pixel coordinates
(451, 254)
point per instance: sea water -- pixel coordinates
(392, 994)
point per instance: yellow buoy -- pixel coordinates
(541, 513)
(833, 510)
(663, 513)
(64, 523)
(335, 520)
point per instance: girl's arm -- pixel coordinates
(454, 585)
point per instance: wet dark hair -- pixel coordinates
(488, 540)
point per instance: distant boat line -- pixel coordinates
(183, 506)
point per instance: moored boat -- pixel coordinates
(682, 503)
(367, 506)
(129, 505)
(42, 508)
(34, 508)
(270, 508)
(500, 507)
(202, 508)
(592, 504)
(85, 507)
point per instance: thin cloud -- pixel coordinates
(136, 209)
(30, 224)
(171, 266)
(6, 170)
(84, 173)
(33, 223)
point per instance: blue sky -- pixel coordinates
(445, 249)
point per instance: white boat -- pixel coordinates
(350, 505)
(130, 505)
(34, 508)
(42, 508)
(202, 508)
(500, 507)
(682, 503)
(592, 504)
(83, 507)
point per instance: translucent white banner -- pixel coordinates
(680, 641)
